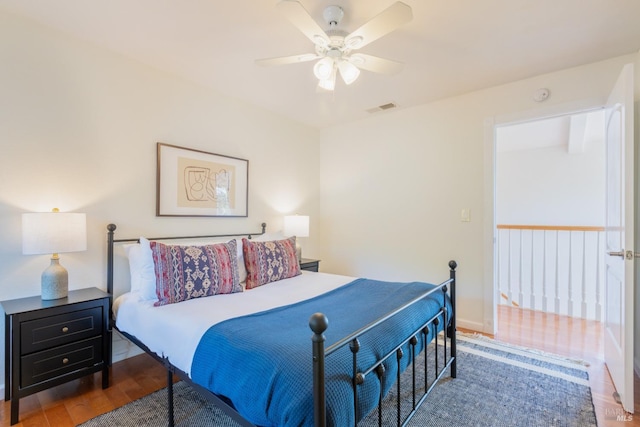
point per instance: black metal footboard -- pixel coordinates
(319, 323)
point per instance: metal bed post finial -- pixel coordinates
(452, 327)
(318, 324)
(111, 229)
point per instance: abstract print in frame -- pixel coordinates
(197, 183)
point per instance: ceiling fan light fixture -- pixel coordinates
(324, 68)
(328, 84)
(348, 72)
(334, 47)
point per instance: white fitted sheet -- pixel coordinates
(174, 331)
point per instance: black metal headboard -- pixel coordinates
(111, 241)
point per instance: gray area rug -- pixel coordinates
(497, 385)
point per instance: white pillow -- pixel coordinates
(147, 272)
(143, 273)
(134, 254)
(242, 269)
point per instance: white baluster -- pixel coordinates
(520, 272)
(510, 293)
(570, 279)
(598, 296)
(583, 311)
(499, 252)
(557, 298)
(533, 289)
(544, 271)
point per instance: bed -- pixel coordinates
(274, 345)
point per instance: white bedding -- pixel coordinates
(174, 331)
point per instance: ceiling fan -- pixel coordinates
(336, 49)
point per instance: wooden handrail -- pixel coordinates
(551, 227)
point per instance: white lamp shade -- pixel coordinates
(348, 71)
(53, 232)
(328, 84)
(296, 225)
(324, 68)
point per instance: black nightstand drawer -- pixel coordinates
(60, 360)
(309, 264)
(53, 331)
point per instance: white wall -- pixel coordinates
(550, 186)
(393, 185)
(78, 131)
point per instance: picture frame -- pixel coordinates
(192, 182)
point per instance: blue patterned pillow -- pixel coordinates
(270, 261)
(187, 272)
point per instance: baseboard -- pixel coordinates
(467, 324)
(120, 356)
(122, 348)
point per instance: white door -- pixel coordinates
(620, 245)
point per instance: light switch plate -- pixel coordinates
(465, 215)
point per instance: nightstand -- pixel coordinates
(50, 342)
(309, 264)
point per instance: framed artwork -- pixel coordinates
(196, 183)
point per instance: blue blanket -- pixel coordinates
(262, 362)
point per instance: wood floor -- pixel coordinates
(77, 401)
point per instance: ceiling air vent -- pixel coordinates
(382, 107)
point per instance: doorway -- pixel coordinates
(549, 213)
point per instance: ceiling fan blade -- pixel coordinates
(375, 64)
(298, 15)
(385, 22)
(284, 60)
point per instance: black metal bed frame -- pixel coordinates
(318, 324)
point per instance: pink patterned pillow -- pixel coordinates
(187, 272)
(270, 261)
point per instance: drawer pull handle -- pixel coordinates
(65, 329)
(65, 361)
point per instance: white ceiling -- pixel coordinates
(572, 132)
(450, 47)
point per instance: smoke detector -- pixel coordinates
(541, 95)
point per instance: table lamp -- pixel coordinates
(297, 225)
(53, 233)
